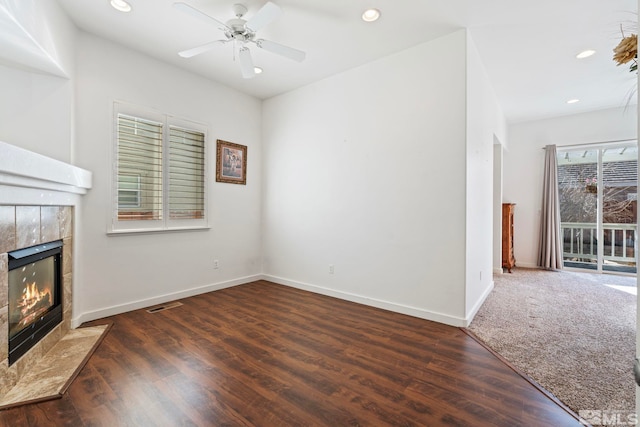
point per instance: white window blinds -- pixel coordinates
(186, 173)
(139, 169)
(160, 173)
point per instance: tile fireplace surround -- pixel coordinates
(21, 227)
(40, 201)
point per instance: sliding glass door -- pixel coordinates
(619, 209)
(598, 206)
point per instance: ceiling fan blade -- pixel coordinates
(200, 49)
(280, 49)
(195, 12)
(246, 63)
(267, 14)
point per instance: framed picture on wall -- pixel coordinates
(231, 162)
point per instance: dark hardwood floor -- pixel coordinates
(262, 354)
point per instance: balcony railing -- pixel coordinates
(580, 240)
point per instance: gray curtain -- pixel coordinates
(550, 249)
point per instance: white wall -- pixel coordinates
(35, 112)
(36, 106)
(126, 272)
(524, 163)
(485, 124)
(365, 171)
(497, 208)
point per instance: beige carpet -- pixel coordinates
(568, 331)
(57, 368)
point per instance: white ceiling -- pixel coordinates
(528, 48)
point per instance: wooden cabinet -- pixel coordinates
(508, 258)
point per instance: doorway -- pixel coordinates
(598, 192)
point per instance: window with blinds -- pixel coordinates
(159, 173)
(186, 173)
(139, 169)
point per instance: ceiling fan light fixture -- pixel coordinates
(242, 32)
(585, 53)
(121, 5)
(371, 15)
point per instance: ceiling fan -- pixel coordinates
(242, 32)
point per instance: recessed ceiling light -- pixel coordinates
(573, 101)
(121, 5)
(585, 54)
(257, 70)
(370, 15)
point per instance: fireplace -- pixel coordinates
(35, 295)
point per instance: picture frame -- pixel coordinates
(231, 162)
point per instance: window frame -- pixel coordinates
(165, 224)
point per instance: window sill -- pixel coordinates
(155, 230)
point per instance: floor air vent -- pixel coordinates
(163, 307)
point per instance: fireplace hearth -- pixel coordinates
(35, 295)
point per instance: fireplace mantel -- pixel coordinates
(24, 169)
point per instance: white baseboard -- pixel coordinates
(360, 299)
(135, 305)
(478, 304)
(527, 265)
(385, 305)
(498, 271)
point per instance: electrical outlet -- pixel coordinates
(216, 264)
(331, 270)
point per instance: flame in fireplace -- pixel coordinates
(34, 302)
